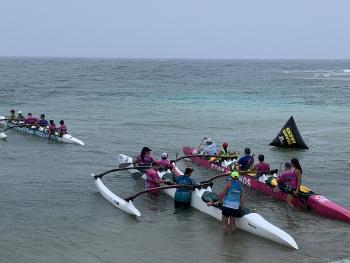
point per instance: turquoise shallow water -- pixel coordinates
(51, 211)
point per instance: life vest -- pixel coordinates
(223, 153)
(233, 195)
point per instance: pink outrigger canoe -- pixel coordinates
(315, 202)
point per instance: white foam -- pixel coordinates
(346, 70)
(341, 261)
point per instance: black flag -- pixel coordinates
(289, 136)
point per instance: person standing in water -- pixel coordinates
(232, 203)
(152, 178)
(144, 158)
(183, 196)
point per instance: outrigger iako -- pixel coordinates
(249, 222)
(266, 184)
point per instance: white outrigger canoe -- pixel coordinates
(250, 222)
(43, 133)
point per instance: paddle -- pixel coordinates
(183, 186)
(15, 126)
(119, 169)
(199, 146)
(201, 156)
(215, 177)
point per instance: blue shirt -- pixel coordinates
(245, 162)
(232, 198)
(42, 123)
(181, 194)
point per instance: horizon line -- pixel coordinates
(167, 58)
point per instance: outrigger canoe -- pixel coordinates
(42, 132)
(250, 222)
(306, 198)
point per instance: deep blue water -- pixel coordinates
(50, 209)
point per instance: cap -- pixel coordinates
(209, 141)
(225, 145)
(164, 155)
(19, 112)
(146, 149)
(288, 165)
(234, 174)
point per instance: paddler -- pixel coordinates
(287, 182)
(12, 117)
(232, 202)
(42, 122)
(20, 116)
(262, 167)
(183, 196)
(52, 128)
(62, 130)
(30, 120)
(246, 162)
(226, 154)
(152, 178)
(144, 158)
(164, 163)
(210, 149)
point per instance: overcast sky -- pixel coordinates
(176, 29)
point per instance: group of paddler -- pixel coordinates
(36, 123)
(230, 199)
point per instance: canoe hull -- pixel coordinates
(317, 203)
(252, 222)
(67, 138)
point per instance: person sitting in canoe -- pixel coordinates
(62, 130)
(12, 117)
(232, 202)
(30, 120)
(164, 163)
(183, 196)
(42, 122)
(287, 182)
(52, 128)
(20, 116)
(246, 162)
(226, 154)
(144, 158)
(262, 167)
(298, 171)
(210, 149)
(152, 178)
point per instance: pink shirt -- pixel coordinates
(151, 178)
(148, 160)
(31, 121)
(262, 167)
(288, 177)
(163, 163)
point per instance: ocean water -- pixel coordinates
(50, 210)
